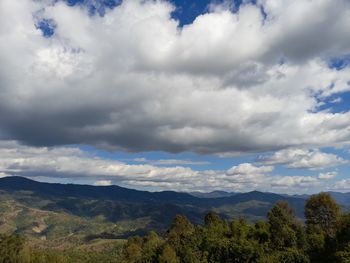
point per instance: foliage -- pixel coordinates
(283, 226)
(10, 248)
(282, 239)
(324, 238)
(322, 211)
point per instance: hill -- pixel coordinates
(81, 213)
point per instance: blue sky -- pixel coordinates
(185, 11)
(181, 95)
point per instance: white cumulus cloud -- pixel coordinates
(303, 159)
(248, 168)
(133, 80)
(328, 175)
(72, 164)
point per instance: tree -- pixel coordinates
(343, 233)
(150, 247)
(240, 229)
(183, 238)
(322, 211)
(133, 250)
(322, 215)
(290, 255)
(261, 232)
(343, 256)
(180, 230)
(283, 226)
(214, 229)
(343, 240)
(168, 255)
(211, 219)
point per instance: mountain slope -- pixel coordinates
(113, 192)
(113, 211)
(117, 193)
(342, 198)
(213, 194)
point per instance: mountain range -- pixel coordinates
(79, 213)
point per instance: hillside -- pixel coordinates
(81, 213)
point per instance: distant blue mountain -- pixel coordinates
(342, 198)
(118, 204)
(16, 183)
(213, 194)
(252, 204)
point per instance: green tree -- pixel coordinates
(151, 247)
(322, 215)
(322, 211)
(184, 239)
(343, 240)
(343, 233)
(133, 250)
(168, 255)
(343, 256)
(290, 255)
(212, 219)
(283, 226)
(180, 231)
(261, 233)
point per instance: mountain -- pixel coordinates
(342, 198)
(15, 183)
(116, 193)
(54, 212)
(124, 195)
(213, 194)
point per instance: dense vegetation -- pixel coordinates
(64, 215)
(15, 249)
(324, 237)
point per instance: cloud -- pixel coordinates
(336, 100)
(171, 162)
(328, 175)
(248, 168)
(3, 174)
(296, 181)
(103, 183)
(342, 185)
(68, 162)
(71, 164)
(140, 83)
(303, 159)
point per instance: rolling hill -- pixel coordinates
(82, 213)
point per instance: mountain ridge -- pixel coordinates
(117, 212)
(114, 192)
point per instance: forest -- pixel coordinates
(322, 237)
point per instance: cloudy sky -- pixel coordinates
(181, 95)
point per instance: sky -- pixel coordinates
(177, 95)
